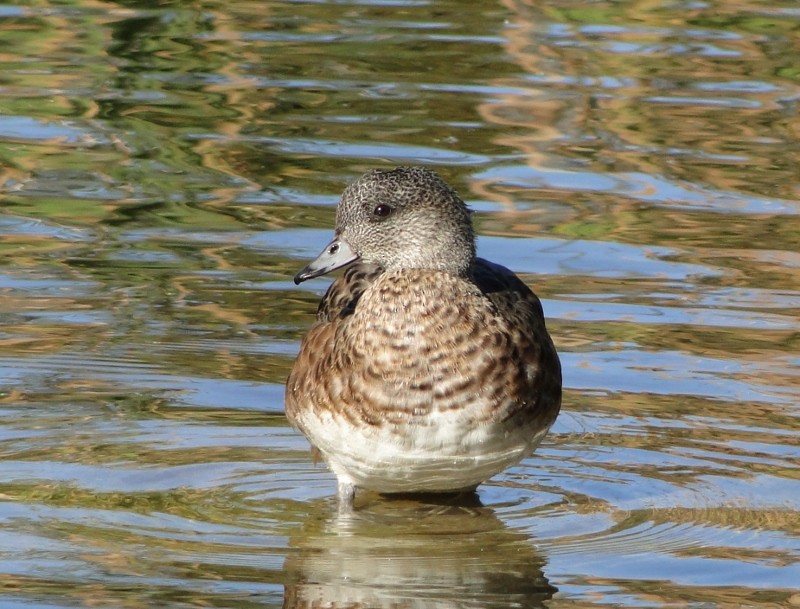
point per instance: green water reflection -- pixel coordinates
(166, 168)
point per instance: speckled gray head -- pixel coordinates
(405, 218)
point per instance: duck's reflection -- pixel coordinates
(406, 553)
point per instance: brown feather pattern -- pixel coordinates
(408, 370)
(387, 349)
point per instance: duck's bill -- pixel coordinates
(336, 254)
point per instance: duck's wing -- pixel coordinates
(509, 294)
(342, 296)
(520, 307)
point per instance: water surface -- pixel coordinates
(166, 168)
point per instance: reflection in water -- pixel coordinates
(414, 556)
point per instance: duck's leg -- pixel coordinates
(345, 495)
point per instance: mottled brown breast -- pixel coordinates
(391, 348)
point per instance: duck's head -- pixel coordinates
(404, 218)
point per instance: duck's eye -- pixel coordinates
(382, 211)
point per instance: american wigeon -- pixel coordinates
(428, 369)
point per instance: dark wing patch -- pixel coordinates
(513, 299)
(342, 296)
(516, 303)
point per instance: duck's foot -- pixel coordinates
(345, 495)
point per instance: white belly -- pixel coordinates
(441, 453)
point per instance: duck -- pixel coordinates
(428, 369)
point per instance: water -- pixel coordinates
(166, 168)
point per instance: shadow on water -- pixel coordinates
(400, 553)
